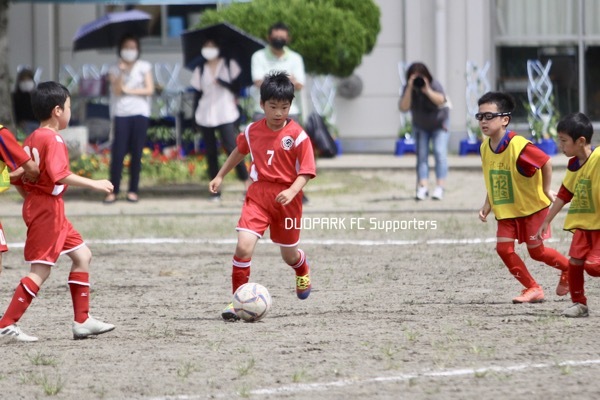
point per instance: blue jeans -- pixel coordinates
(439, 142)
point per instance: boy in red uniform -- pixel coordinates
(282, 164)
(580, 188)
(49, 232)
(517, 177)
(13, 155)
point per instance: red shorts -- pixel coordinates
(260, 211)
(586, 246)
(3, 244)
(523, 229)
(49, 232)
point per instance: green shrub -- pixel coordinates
(330, 38)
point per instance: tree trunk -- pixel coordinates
(6, 114)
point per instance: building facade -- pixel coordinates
(444, 34)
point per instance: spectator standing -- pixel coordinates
(22, 110)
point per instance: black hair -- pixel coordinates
(46, 97)
(126, 37)
(576, 125)
(504, 102)
(420, 69)
(278, 26)
(277, 86)
(22, 75)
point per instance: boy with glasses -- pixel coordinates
(517, 178)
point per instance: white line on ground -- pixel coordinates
(18, 245)
(449, 373)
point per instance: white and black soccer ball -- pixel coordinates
(251, 302)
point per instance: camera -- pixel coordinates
(419, 82)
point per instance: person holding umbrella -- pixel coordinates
(216, 83)
(131, 87)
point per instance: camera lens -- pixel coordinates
(419, 82)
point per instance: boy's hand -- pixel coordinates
(285, 197)
(542, 233)
(484, 212)
(103, 185)
(215, 184)
(551, 194)
(16, 174)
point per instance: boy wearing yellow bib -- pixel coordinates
(580, 188)
(13, 157)
(517, 177)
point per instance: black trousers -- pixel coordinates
(129, 138)
(228, 134)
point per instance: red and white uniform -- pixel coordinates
(49, 232)
(278, 157)
(13, 155)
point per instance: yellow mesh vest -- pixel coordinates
(4, 177)
(584, 184)
(511, 194)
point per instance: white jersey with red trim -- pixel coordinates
(277, 156)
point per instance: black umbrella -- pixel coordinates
(106, 31)
(233, 43)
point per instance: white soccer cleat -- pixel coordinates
(91, 327)
(13, 332)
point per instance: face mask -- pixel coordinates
(129, 55)
(26, 86)
(278, 43)
(210, 53)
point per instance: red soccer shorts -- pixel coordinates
(524, 229)
(260, 211)
(49, 232)
(586, 246)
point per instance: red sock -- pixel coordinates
(79, 284)
(576, 280)
(301, 267)
(240, 273)
(516, 266)
(24, 294)
(549, 256)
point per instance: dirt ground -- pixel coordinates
(409, 301)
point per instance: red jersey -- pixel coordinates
(277, 156)
(49, 151)
(11, 152)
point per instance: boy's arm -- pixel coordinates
(485, 209)
(554, 210)
(287, 195)
(101, 185)
(547, 180)
(234, 159)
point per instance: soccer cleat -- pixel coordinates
(91, 327)
(530, 295)
(438, 193)
(563, 284)
(577, 310)
(422, 193)
(303, 286)
(229, 314)
(13, 332)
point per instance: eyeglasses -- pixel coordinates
(490, 115)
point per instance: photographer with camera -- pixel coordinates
(428, 105)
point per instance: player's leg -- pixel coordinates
(242, 258)
(3, 246)
(296, 259)
(26, 291)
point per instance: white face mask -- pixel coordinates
(210, 53)
(129, 55)
(26, 86)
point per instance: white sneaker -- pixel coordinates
(422, 192)
(577, 310)
(13, 332)
(438, 193)
(90, 327)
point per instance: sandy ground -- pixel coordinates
(409, 301)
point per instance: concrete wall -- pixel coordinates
(441, 33)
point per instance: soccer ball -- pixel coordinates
(251, 302)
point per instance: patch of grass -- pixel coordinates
(246, 367)
(299, 376)
(51, 387)
(154, 332)
(185, 370)
(42, 359)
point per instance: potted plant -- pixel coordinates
(542, 127)
(405, 142)
(472, 143)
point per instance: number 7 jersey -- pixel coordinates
(277, 156)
